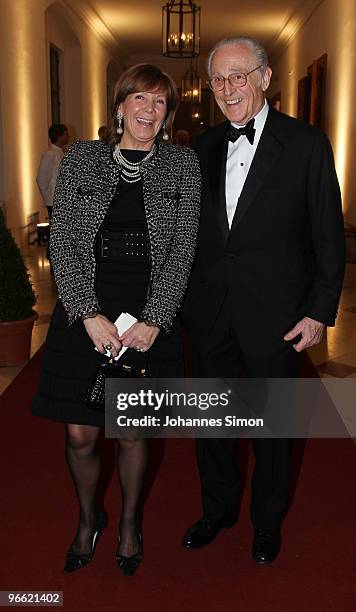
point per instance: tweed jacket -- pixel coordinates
(86, 185)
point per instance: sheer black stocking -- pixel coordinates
(131, 464)
(84, 464)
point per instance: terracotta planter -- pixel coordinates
(15, 341)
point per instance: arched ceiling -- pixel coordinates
(131, 29)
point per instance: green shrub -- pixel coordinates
(16, 293)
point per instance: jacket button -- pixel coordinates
(231, 255)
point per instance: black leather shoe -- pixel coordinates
(266, 546)
(75, 561)
(203, 532)
(129, 565)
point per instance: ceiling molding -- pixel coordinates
(95, 21)
(291, 28)
(89, 16)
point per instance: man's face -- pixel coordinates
(63, 139)
(239, 104)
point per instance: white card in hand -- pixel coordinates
(123, 322)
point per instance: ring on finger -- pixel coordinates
(107, 346)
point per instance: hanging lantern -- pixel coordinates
(191, 87)
(180, 29)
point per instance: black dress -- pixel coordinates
(122, 277)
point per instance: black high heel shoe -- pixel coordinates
(129, 565)
(76, 561)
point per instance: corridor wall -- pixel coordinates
(332, 30)
(27, 29)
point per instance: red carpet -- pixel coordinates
(314, 572)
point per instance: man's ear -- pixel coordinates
(266, 78)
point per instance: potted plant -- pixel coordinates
(16, 301)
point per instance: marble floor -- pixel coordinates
(334, 357)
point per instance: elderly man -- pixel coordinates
(267, 276)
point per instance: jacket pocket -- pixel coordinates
(85, 191)
(171, 195)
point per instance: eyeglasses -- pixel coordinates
(236, 79)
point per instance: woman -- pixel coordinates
(122, 240)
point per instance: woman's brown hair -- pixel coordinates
(142, 77)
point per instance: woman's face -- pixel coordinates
(144, 113)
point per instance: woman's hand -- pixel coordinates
(102, 332)
(140, 336)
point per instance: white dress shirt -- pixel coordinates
(47, 173)
(239, 159)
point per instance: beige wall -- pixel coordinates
(23, 105)
(331, 30)
(94, 94)
(26, 30)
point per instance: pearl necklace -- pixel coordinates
(130, 171)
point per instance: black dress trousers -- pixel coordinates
(220, 354)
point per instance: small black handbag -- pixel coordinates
(95, 395)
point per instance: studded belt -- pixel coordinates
(114, 243)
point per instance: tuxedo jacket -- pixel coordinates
(283, 257)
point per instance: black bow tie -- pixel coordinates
(248, 130)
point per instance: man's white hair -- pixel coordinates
(258, 50)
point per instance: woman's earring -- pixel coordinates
(165, 135)
(119, 117)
